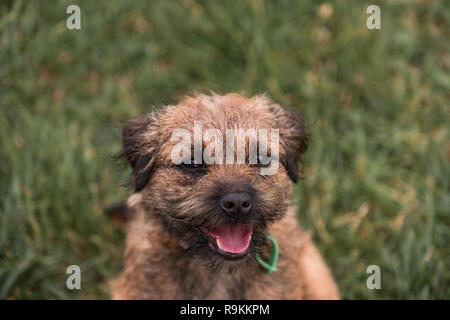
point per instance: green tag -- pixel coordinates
(271, 266)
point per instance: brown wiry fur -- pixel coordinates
(167, 257)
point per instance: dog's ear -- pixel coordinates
(293, 138)
(140, 141)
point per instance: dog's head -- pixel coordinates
(217, 208)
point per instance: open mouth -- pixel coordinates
(231, 241)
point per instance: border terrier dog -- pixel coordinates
(200, 231)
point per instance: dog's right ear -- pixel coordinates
(140, 141)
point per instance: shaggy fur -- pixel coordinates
(167, 255)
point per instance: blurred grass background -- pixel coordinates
(376, 103)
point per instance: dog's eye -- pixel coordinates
(259, 164)
(194, 167)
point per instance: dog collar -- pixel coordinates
(271, 266)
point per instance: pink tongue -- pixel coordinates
(233, 239)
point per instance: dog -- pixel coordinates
(203, 231)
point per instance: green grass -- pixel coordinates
(376, 103)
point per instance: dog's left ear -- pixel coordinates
(140, 141)
(293, 138)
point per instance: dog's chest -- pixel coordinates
(220, 287)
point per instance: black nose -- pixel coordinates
(236, 203)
